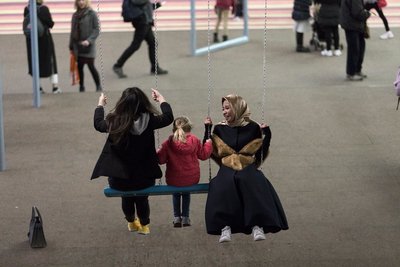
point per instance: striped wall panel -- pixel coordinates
(174, 15)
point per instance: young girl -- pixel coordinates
(129, 157)
(82, 42)
(222, 10)
(181, 152)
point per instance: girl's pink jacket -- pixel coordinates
(182, 159)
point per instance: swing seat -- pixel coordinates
(157, 190)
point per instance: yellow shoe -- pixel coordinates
(144, 230)
(134, 226)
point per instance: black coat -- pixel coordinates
(353, 15)
(328, 14)
(47, 54)
(134, 159)
(301, 10)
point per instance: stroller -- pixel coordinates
(318, 40)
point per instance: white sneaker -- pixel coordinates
(387, 35)
(337, 52)
(324, 52)
(329, 53)
(258, 233)
(225, 235)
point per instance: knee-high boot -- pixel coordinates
(299, 43)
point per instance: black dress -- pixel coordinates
(240, 196)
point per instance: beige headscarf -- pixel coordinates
(240, 109)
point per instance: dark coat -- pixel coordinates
(47, 54)
(328, 14)
(88, 29)
(134, 159)
(301, 10)
(353, 15)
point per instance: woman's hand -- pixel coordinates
(102, 100)
(157, 96)
(263, 125)
(207, 121)
(85, 43)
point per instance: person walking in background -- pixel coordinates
(47, 53)
(301, 16)
(143, 25)
(240, 197)
(129, 156)
(374, 4)
(222, 8)
(353, 19)
(238, 10)
(82, 41)
(181, 152)
(328, 19)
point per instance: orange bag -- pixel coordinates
(73, 69)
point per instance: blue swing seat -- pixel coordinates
(157, 190)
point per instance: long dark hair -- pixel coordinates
(130, 106)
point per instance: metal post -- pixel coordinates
(34, 53)
(193, 39)
(2, 150)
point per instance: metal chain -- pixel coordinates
(209, 77)
(156, 46)
(156, 69)
(100, 47)
(264, 75)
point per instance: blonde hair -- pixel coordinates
(87, 4)
(39, 2)
(181, 126)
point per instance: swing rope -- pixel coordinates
(209, 80)
(102, 83)
(264, 70)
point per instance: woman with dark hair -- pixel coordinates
(129, 156)
(240, 197)
(47, 53)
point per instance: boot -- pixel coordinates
(299, 41)
(216, 37)
(224, 38)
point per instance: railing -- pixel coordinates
(174, 15)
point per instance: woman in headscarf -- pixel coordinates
(240, 198)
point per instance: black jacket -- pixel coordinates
(328, 14)
(135, 158)
(353, 15)
(301, 10)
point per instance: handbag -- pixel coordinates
(381, 3)
(36, 233)
(73, 69)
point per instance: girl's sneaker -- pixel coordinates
(186, 221)
(177, 222)
(134, 226)
(144, 230)
(258, 233)
(225, 235)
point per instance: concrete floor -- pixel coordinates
(334, 157)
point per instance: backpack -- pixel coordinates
(26, 25)
(131, 9)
